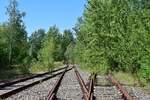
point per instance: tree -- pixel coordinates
(3, 46)
(35, 41)
(67, 40)
(50, 47)
(17, 35)
(57, 39)
(114, 33)
(46, 53)
(70, 53)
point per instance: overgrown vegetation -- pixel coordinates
(39, 52)
(114, 35)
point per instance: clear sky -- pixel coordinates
(45, 13)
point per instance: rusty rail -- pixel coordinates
(125, 94)
(87, 90)
(52, 94)
(91, 87)
(27, 78)
(11, 92)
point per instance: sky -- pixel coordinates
(45, 13)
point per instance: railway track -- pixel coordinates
(88, 89)
(59, 90)
(68, 84)
(5, 84)
(110, 89)
(9, 88)
(124, 92)
(52, 93)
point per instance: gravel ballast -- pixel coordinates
(70, 88)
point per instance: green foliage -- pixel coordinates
(40, 48)
(39, 51)
(46, 53)
(14, 71)
(126, 78)
(68, 45)
(49, 51)
(35, 41)
(144, 72)
(54, 34)
(37, 66)
(45, 49)
(13, 39)
(70, 53)
(16, 35)
(114, 35)
(3, 47)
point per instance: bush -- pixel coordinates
(36, 67)
(144, 72)
(39, 66)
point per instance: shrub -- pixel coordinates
(144, 72)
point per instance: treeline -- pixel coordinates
(13, 37)
(41, 49)
(114, 35)
(50, 47)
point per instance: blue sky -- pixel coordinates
(45, 13)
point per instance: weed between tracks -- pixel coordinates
(123, 77)
(126, 78)
(129, 79)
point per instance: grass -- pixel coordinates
(39, 68)
(21, 71)
(85, 69)
(11, 73)
(126, 78)
(146, 85)
(129, 79)
(58, 64)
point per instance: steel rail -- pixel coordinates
(14, 91)
(82, 84)
(87, 90)
(125, 94)
(52, 93)
(27, 78)
(91, 87)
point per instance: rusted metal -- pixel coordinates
(91, 87)
(82, 84)
(14, 91)
(87, 91)
(53, 91)
(125, 94)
